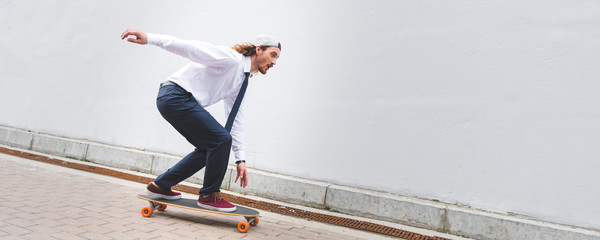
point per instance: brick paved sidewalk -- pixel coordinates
(43, 201)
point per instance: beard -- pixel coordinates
(263, 70)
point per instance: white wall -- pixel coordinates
(491, 104)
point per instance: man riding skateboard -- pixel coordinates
(215, 73)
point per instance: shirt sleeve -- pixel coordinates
(237, 130)
(196, 51)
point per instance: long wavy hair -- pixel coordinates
(246, 49)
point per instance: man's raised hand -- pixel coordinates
(140, 37)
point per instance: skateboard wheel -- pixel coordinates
(254, 222)
(147, 211)
(243, 227)
(161, 207)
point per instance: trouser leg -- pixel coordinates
(184, 169)
(212, 141)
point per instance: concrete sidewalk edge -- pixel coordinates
(436, 216)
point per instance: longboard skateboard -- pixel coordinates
(251, 215)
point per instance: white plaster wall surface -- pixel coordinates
(491, 104)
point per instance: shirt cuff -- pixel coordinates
(240, 155)
(153, 39)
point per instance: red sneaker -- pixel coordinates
(215, 202)
(156, 192)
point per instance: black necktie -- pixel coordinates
(236, 105)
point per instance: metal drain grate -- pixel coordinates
(340, 221)
(271, 207)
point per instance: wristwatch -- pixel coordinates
(240, 161)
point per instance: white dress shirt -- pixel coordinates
(216, 73)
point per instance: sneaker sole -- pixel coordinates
(211, 208)
(158, 195)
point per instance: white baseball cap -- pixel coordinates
(267, 41)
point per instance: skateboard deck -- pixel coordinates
(250, 215)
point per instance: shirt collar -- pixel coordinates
(247, 64)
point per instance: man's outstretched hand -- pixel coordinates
(242, 174)
(140, 37)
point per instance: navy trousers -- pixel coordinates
(212, 141)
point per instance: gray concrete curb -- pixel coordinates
(437, 216)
